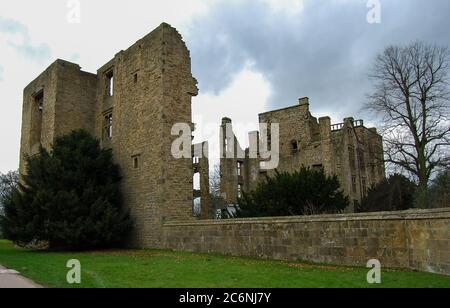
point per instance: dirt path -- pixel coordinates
(12, 279)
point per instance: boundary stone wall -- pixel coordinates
(415, 239)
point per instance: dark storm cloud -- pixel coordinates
(324, 52)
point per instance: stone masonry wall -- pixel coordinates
(348, 150)
(418, 240)
(153, 86)
(68, 95)
(130, 105)
(136, 107)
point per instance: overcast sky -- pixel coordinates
(249, 56)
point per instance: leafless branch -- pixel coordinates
(412, 98)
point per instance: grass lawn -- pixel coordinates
(159, 268)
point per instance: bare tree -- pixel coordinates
(218, 206)
(214, 181)
(412, 98)
(8, 182)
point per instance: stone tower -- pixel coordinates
(130, 105)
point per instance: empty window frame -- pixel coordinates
(110, 83)
(239, 168)
(196, 182)
(108, 126)
(39, 101)
(136, 161)
(239, 191)
(197, 207)
(294, 147)
(36, 115)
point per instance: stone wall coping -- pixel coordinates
(400, 215)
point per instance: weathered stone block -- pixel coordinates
(408, 244)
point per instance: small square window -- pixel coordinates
(136, 161)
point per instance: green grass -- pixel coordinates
(159, 268)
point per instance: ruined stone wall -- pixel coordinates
(136, 108)
(231, 153)
(418, 240)
(38, 125)
(348, 150)
(153, 87)
(252, 164)
(179, 86)
(295, 126)
(201, 167)
(68, 103)
(346, 164)
(374, 169)
(75, 100)
(357, 158)
(151, 91)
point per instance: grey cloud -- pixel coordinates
(38, 53)
(324, 52)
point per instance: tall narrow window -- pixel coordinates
(294, 147)
(239, 191)
(39, 101)
(108, 126)
(197, 207)
(196, 181)
(36, 118)
(110, 84)
(136, 162)
(239, 168)
(354, 183)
